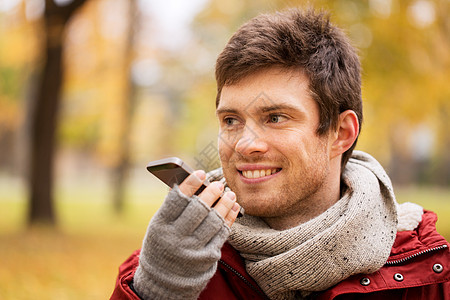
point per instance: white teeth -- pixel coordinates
(258, 173)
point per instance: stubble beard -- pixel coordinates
(299, 194)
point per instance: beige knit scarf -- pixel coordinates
(353, 236)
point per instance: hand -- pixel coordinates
(182, 245)
(226, 206)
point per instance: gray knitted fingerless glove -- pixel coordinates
(181, 249)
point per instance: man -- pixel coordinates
(321, 221)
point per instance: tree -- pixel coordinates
(120, 169)
(44, 115)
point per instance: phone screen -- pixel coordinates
(172, 171)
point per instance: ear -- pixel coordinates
(346, 133)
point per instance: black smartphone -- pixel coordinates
(173, 171)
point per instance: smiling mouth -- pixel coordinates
(252, 174)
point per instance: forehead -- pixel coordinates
(268, 88)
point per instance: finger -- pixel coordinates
(232, 214)
(209, 228)
(192, 183)
(225, 204)
(192, 216)
(211, 193)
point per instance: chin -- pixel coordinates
(256, 206)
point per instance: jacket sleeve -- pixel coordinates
(123, 289)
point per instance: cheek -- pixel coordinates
(227, 139)
(225, 151)
(308, 140)
(302, 149)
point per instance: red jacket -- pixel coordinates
(418, 268)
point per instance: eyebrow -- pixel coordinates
(276, 107)
(226, 110)
(264, 109)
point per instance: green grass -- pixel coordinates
(79, 260)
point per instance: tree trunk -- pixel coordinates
(44, 115)
(120, 170)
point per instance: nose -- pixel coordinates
(251, 142)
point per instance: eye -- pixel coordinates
(229, 121)
(276, 118)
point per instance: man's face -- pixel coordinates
(271, 156)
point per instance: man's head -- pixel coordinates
(288, 90)
(303, 41)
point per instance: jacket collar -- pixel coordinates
(412, 243)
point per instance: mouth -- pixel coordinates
(254, 174)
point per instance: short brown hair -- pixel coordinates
(303, 40)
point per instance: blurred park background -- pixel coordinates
(92, 90)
